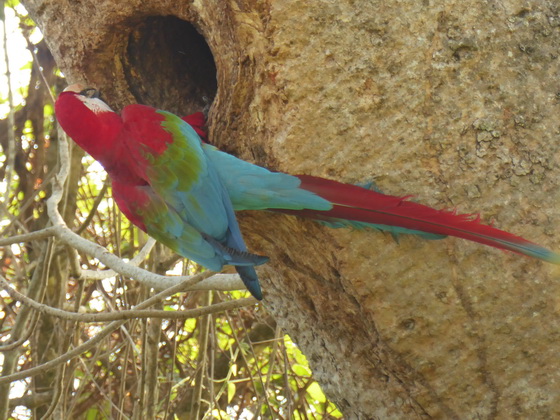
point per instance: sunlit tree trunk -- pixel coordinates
(455, 102)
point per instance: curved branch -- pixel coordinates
(32, 236)
(125, 314)
(104, 332)
(61, 230)
(105, 274)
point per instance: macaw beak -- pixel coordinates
(82, 89)
(90, 93)
(76, 88)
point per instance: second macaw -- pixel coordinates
(183, 191)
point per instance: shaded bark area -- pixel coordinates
(457, 103)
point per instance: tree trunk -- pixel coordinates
(456, 102)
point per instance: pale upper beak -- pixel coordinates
(82, 89)
(76, 87)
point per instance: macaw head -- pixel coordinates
(89, 121)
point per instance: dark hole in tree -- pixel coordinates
(170, 66)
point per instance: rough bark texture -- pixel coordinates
(456, 102)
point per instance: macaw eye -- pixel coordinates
(90, 93)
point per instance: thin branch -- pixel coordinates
(14, 221)
(55, 401)
(105, 274)
(221, 281)
(19, 342)
(155, 281)
(202, 361)
(31, 48)
(102, 334)
(32, 401)
(37, 287)
(100, 389)
(125, 314)
(96, 203)
(26, 237)
(151, 352)
(11, 152)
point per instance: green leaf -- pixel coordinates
(231, 389)
(316, 393)
(27, 66)
(301, 370)
(91, 414)
(11, 3)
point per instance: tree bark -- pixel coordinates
(456, 102)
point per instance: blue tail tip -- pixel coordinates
(250, 280)
(256, 292)
(254, 288)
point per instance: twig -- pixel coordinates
(55, 401)
(202, 361)
(155, 281)
(26, 237)
(32, 401)
(11, 152)
(100, 389)
(259, 402)
(105, 274)
(273, 356)
(126, 314)
(96, 203)
(9, 364)
(101, 335)
(151, 350)
(14, 221)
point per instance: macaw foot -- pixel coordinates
(235, 256)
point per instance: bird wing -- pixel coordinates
(167, 153)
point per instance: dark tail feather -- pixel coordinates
(250, 279)
(351, 202)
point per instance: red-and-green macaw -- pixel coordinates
(183, 191)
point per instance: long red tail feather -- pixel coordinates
(351, 202)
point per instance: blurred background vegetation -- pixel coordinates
(231, 365)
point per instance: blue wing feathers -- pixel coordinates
(190, 210)
(252, 187)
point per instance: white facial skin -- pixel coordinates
(94, 104)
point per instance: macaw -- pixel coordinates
(183, 191)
